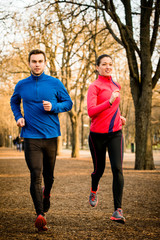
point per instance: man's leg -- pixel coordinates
(49, 159)
(34, 160)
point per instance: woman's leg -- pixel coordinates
(115, 150)
(98, 151)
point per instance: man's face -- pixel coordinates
(37, 64)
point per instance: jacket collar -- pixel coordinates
(37, 77)
(103, 78)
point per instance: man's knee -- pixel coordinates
(36, 175)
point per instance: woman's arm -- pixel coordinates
(92, 107)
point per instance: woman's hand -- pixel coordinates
(123, 120)
(114, 95)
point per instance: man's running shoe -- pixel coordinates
(40, 223)
(93, 198)
(46, 202)
(118, 216)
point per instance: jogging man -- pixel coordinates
(43, 98)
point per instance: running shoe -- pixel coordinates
(40, 223)
(93, 198)
(118, 216)
(46, 202)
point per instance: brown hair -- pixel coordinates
(98, 61)
(36, 51)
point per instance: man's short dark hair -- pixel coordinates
(36, 51)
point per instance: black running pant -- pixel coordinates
(98, 143)
(40, 155)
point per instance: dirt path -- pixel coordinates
(71, 216)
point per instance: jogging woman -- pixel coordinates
(103, 101)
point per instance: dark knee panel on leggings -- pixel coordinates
(36, 176)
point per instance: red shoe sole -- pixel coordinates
(122, 220)
(40, 223)
(43, 229)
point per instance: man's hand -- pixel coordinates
(21, 122)
(47, 105)
(114, 95)
(123, 120)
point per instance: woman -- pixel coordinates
(103, 101)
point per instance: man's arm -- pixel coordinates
(64, 103)
(15, 102)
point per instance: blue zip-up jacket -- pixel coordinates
(33, 90)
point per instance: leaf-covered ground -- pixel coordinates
(70, 215)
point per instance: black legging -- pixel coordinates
(98, 143)
(40, 155)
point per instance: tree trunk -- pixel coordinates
(59, 145)
(143, 100)
(143, 136)
(82, 132)
(75, 135)
(67, 133)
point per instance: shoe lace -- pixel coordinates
(93, 195)
(120, 212)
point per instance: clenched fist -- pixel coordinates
(47, 105)
(21, 122)
(123, 120)
(114, 95)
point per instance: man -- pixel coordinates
(43, 98)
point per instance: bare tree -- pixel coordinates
(75, 69)
(141, 79)
(139, 55)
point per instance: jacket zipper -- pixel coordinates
(36, 88)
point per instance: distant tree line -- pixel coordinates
(73, 34)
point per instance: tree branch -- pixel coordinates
(111, 31)
(128, 15)
(127, 40)
(156, 76)
(155, 26)
(69, 2)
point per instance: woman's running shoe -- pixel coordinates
(118, 216)
(93, 198)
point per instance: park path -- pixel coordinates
(70, 216)
(129, 158)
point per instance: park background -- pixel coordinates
(73, 34)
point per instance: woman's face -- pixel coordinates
(105, 67)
